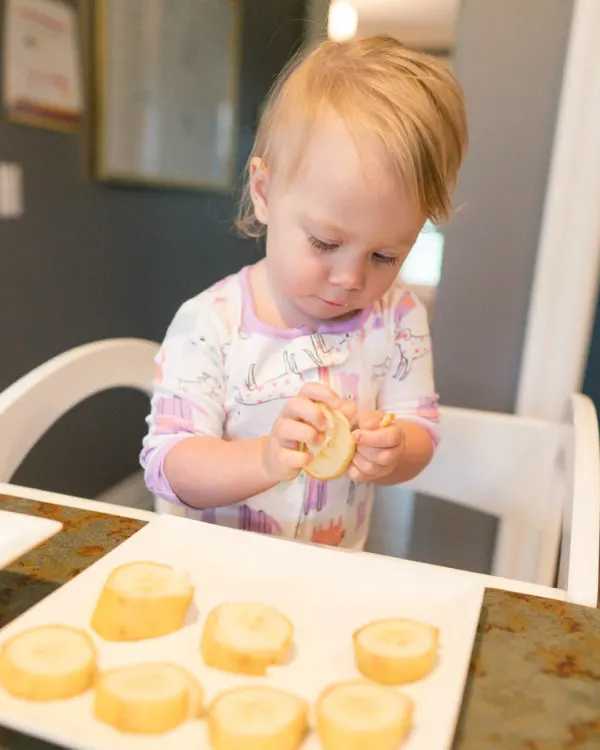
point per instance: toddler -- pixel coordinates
(359, 144)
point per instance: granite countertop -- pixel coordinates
(534, 679)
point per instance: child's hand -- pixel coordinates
(301, 421)
(378, 449)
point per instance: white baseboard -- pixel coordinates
(130, 492)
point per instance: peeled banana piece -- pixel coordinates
(48, 663)
(396, 651)
(333, 456)
(257, 718)
(147, 698)
(362, 716)
(142, 600)
(245, 637)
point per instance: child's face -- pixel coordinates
(338, 233)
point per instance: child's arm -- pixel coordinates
(400, 451)
(185, 458)
(206, 472)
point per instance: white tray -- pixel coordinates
(20, 532)
(326, 593)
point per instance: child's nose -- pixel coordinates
(349, 277)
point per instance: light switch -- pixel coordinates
(11, 190)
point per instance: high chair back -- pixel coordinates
(31, 405)
(540, 479)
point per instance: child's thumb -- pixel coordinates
(371, 420)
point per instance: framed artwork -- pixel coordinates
(42, 65)
(166, 80)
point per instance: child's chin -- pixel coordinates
(336, 313)
(318, 309)
(322, 310)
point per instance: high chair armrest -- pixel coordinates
(583, 526)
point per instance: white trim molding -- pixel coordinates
(565, 285)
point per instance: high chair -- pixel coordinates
(31, 405)
(540, 479)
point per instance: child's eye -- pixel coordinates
(324, 247)
(389, 260)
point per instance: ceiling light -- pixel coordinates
(342, 22)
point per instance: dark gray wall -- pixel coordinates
(88, 261)
(509, 58)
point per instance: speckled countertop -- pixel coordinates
(534, 681)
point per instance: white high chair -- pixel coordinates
(540, 479)
(31, 405)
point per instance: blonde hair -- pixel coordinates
(406, 100)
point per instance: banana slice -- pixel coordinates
(142, 600)
(147, 698)
(48, 663)
(333, 456)
(395, 651)
(257, 718)
(362, 716)
(245, 637)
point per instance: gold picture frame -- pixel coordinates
(166, 78)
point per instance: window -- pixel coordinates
(423, 267)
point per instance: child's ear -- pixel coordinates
(259, 189)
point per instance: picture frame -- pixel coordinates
(166, 81)
(42, 84)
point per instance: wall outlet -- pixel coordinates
(11, 190)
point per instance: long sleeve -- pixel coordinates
(189, 389)
(408, 389)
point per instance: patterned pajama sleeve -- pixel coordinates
(408, 390)
(189, 390)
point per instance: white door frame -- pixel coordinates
(565, 285)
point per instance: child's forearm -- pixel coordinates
(207, 472)
(417, 453)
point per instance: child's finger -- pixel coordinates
(355, 475)
(349, 409)
(293, 459)
(387, 437)
(380, 456)
(371, 419)
(292, 431)
(365, 467)
(321, 393)
(305, 410)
